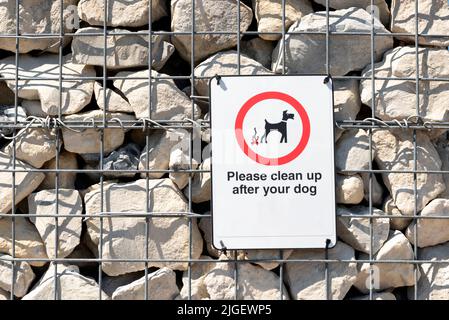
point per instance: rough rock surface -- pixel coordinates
(433, 18)
(269, 15)
(389, 275)
(70, 283)
(36, 17)
(69, 228)
(8, 113)
(306, 53)
(225, 63)
(66, 180)
(28, 243)
(355, 231)
(130, 13)
(431, 231)
(161, 286)
(123, 50)
(35, 146)
(307, 281)
(352, 151)
(349, 189)
(124, 237)
(259, 50)
(25, 182)
(121, 160)
(23, 276)
(114, 101)
(89, 140)
(394, 151)
(167, 101)
(210, 15)
(201, 183)
(390, 209)
(76, 94)
(396, 99)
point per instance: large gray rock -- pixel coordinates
(129, 13)
(23, 275)
(431, 231)
(394, 151)
(210, 15)
(433, 18)
(121, 160)
(381, 9)
(307, 280)
(37, 17)
(76, 94)
(388, 275)
(28, 243)
(124, 237)
(167, 101)
(269, 15)
(433, 283)
(259, 50)
(35, 146)
(66, 180)
(223, 64)
(349, 189)
(396, 99)
(355, 231)
(70, 283)
(306, 53)
(69, 228)
(89, 140)
(123, 50)
(25, 182)
(161, 285)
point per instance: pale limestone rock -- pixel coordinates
(66, 180)
(76, 94)
(35, 146)
(123, 50)
(114, 101)
(36, 17)
(89, 140)
(34, 108)
(352, 151)
(224, 64)
(201, 183)
(394, 151)
(70, 283)
(23, 275)
(396, 99)
(306, 53)
(28, 243)
(25, 182)
(269, 15)
(376, 191)
(381, 9)
(388, 275)
(346, 99)
(167, 101)
(259, 50)
(210, 15)
(390, 209)
(129, 13)
(198, 272)
(307, 280)
(349, 189)
(180, 160)
(161, 285)
(433, 18)
(431, 231)
(124, 237)
(110, 284)
(69, 228)
(433, 284)
(355, 231)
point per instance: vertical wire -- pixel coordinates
(13, 207)
(370, 141)
(192, 93)
(415, 154)
(101, 131)
(326, 264)
(147, 141)
(281, 253)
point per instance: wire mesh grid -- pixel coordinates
(149, 125)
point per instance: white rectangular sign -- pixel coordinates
(273, 176)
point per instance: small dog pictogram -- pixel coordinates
(280, 126)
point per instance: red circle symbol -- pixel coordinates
(278, 96)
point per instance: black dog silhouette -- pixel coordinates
(280, 126)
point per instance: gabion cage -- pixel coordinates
(43, 86)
